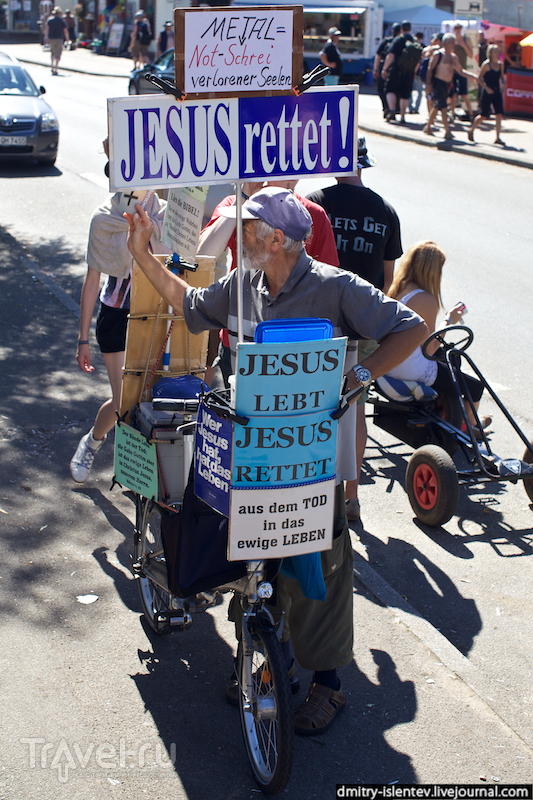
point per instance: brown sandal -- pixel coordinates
(319, 710)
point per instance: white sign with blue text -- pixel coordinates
(283, 466)
(157, 141)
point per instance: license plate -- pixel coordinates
(12, 140)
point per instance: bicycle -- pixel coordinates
(265, 703)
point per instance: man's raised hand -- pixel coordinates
(140, 231)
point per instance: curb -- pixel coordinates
(440, 646)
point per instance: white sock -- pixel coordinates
(95, 444)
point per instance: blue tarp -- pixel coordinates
(418, 15)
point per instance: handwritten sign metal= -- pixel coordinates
(238, 50)
(156, 141)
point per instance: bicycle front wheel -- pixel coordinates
(266, 708)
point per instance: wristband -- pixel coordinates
(85, 341)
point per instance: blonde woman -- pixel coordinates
(417, 284)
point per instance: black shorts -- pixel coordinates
(111, 327)
(445, 385)
(400, 84)
(490, 101)
(440, 91)
(459, 85)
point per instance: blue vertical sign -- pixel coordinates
(212, 460)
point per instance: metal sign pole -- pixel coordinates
(238, 233)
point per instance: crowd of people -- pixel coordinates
(404, 69)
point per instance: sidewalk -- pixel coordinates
(516, 133)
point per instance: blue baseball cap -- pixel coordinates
(279, 208)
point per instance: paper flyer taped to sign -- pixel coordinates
(281, 523)
(135, 461)
(183, 220)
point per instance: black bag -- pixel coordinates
(410, 56)
(143, 33)
(195, 543)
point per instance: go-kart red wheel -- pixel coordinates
(432, 485)
(528, 482)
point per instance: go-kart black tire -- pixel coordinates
(528, 482)
(432, 485)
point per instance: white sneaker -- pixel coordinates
(81, 464)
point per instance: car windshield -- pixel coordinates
(16, 81)
(164, 61)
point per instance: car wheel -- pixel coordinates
(132, 88)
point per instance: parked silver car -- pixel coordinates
(163, 67)
(28, 125)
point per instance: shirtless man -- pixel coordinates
(463, 50)
(439, 77)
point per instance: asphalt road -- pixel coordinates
(94, 705)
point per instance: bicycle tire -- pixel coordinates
(266, 709)
(148, 549)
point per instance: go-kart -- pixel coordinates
(437, 426)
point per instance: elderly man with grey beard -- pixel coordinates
(283, 282)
